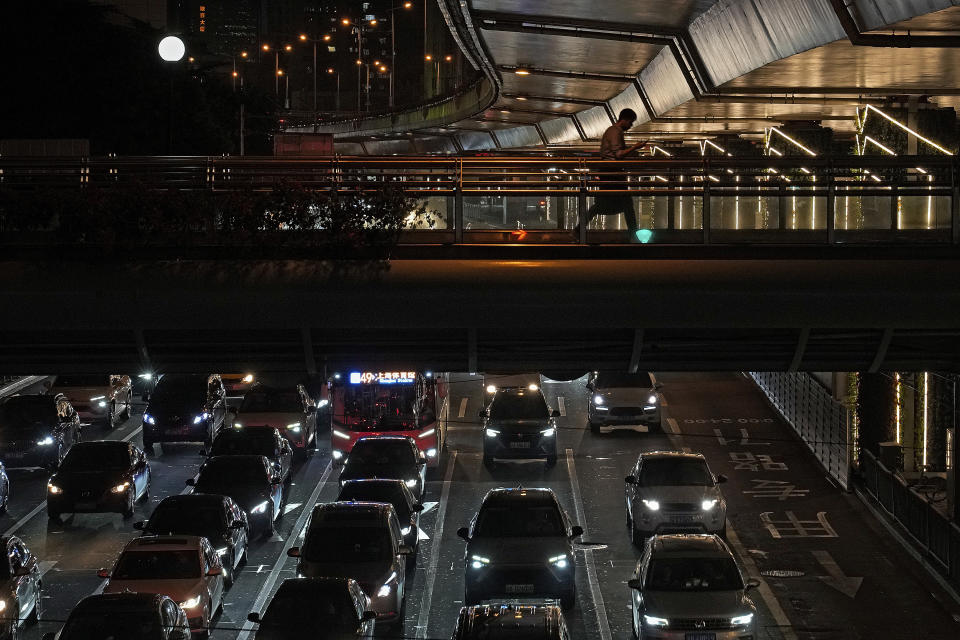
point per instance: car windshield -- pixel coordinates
(364, 492)
(225, 473)
(157, 565)
(287, 613)
(247, 443)
(525, 405)
(95, 456)
(377, 407)
(618, 379)
(176, 389)
(694, 574)
(341, 545)
(385, 453)
(519, 522)
(123, 625)
(186, 519)
(83, 381)
(675, 472)
(263, 401)
(26, 416)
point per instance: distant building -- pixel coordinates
(152, 12)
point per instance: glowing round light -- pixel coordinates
(172, 49)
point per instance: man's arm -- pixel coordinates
(622, 153)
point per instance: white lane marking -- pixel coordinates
(561, 406)
(422, 535)
(425, 601)
(46, 565)
(463, 407)
(100, 587)
(130, 436)
(271, 580)
(764, 589)
(847, 585)
(675, 428)
(601, 610)
(290, 507)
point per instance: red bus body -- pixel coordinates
(389, 403)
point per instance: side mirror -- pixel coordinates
(125, 381)
(103, 573)
(482, 413)
(254, 617)
(575, 531)
(139, 526)
(405, 549)
(215, 571)
(22, 572)
(630, 480)
(293, 552)
(190, 482)
(464, 533)
(590, 386)
(369, 615)
(721, 478)
(237, 524)
(752, 583)
(417, 507)
(634, 583)
(555, 413)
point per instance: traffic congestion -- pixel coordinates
(390, 503)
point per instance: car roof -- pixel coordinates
(328, 585)
(348, 513)
(504, 496)
(102, 444)
(233, 458)
(516, 392)
(648, 455)
(511, 616)
(386, 439)
(385, 483)
(199, 498)
(689, 544)
(165, 543)
(32, 396)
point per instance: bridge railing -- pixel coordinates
(698, 200)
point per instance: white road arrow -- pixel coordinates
(427, 506)
(46, 565)
(837, 579)
(290, 507)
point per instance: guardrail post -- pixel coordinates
(582, 214)
(458, 214)
(894, 209)
(831, 208)
(706, 212)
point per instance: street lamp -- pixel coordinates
(436, 67)
(360, 28)
(276, 62)
(333, 71)
(305, 38)
(171, 49)
(393, 44)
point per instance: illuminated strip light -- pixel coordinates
(930, 142)
(795, 142)
(656, 148)
(926, 413)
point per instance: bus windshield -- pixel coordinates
(376, 407)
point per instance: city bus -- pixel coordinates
(389, 403)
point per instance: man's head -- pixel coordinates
(626, 118)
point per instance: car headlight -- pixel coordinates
(200, 418)
(546, 433)
(3, 605)
(411, 483)
(431, 453)
(560, 562)
(323, 403)
(149, 419)
(260, 508)
(337, 454)
(406, 531)
(222, 551)
(492, 433)
(384, 591)
(707, 505)
(652, 399)
(533, 387)
(191, 602)
(428, 432)
(101, 404)
(120, 488)
(653, 505)
(146, 376)
(54, 489)
(95, 398)
(741, 620)
(238, 425)
(295, 427)
(478, 562)
(491, 388)
(341, 434)
(247, 379)
(654, 621)
(46, 442)
(598, 399)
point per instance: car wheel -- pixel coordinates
(36, 614)
(128, 408)
(243, 558)
(14, 628)
(228, 571)
(128, 512)
(110, 421)
(569, 599)
(489, 462)
(146, 493)
(204, 632)
(629, 522)
(6, 497)
(633, 627)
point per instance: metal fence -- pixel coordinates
(821, 422)
(696, 200)
(929, 528)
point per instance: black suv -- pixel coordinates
(184, 408)
(519, 424)
(37, 430)
(511, 621)
(520, 545)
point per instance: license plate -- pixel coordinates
(84, 506)
(176, 431)
(682, 519)
(519, 445)
(519, 588)
(700, 636)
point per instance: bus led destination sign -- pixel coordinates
(382, 377)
